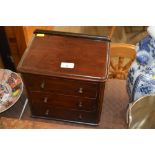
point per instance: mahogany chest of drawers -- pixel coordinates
(65, 74)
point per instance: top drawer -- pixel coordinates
(60, 85)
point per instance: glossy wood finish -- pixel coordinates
(60, 113)
(61, 85)
(88, 53)
(58, 100)
(62, 94)
(74, 95)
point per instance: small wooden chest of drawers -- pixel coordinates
(65, 74)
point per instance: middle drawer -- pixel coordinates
(71, 102)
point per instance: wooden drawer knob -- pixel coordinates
(42, 85)
(80, 90)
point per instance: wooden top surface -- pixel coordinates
(45, 55)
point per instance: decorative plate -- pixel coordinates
(11, 88)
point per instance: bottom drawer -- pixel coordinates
(64, 114)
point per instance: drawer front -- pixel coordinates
(64, 114)
(57, 100)
(61, 85)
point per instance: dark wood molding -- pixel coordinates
(75, 35)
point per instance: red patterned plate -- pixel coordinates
(11, 88)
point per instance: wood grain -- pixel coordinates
(89, 54)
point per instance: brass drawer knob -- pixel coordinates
(45, 100)
(80, 90)
(47, 112)
(80, 116)
(80, 105)
(42, 86)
